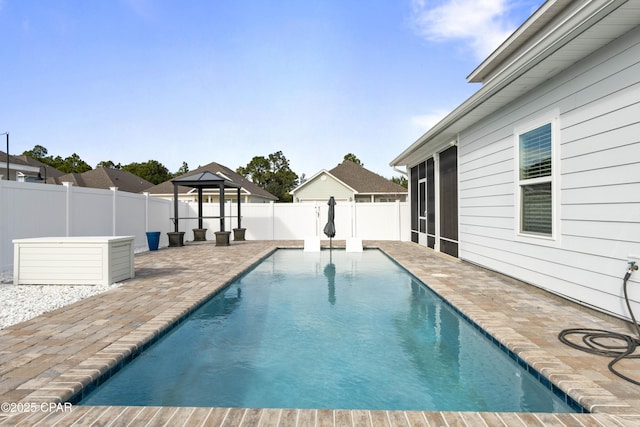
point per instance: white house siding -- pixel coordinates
(598, 101)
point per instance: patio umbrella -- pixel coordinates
(330, 228)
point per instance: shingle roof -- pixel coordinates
(106, 178)
(363, 180)
(74, 178)
(251, 188)
(50, 172)
(15, 160)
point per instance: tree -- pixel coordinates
(70, 164)
(183, 169)
(352, 157)
(152, 170)
(273, 174)
(108, 164)
(38, 152)
(401, 180)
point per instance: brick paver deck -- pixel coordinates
(49, 359)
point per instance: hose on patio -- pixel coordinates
(595, 341)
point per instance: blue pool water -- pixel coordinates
(327, 330)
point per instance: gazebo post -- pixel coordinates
(200, 207)
(175, 207)
(199, 234)
(221, 206)
(239, 220)
(222, 236)
(176, 238)
(238, 233)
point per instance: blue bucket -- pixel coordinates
(153, 239)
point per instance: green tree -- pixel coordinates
(273, 174)
(183, 169)
(152, 170)
(70, 164)
(38, 152)
(352, 157)
(108, 164)
(401, 180)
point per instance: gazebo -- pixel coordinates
(200, 181)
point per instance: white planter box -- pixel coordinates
(100, 260)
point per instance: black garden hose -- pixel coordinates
(594, 340)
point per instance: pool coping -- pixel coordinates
(435, 270)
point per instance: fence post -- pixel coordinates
(68, 186)
(398, 221)
(273, 220)
(353, 219)
(146, 211)
(114, 210)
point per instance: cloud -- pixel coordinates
(424, 122)
(484, 24)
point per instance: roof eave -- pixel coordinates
(542, 16)
(548, 42)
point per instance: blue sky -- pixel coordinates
(227, 80)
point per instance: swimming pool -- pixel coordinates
(328, 330)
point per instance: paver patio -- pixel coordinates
(52, 357)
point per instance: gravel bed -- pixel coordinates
(24, 302)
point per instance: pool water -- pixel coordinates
(327, 330)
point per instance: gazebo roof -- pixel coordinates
(204, 179)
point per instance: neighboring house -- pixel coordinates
(46, 174)
(25, 168)
(249, 193)
(349, 181)
(107, 178)
(537, 175)
(18, 168)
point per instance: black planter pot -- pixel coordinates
(176, 238)
(238, 234)
(199, 234)
(222, 238)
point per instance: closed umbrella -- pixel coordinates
(330, 228)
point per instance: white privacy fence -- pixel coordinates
(296, 221)
(38, 210)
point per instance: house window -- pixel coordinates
(535, 181)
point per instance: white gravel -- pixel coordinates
(24, 302)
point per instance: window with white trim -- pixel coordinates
(535, 181)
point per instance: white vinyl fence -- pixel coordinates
(38, 210)
(295, 221)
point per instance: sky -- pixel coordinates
(201, 81)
